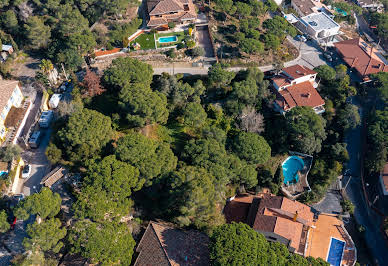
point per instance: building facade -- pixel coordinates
(320, 27)
(296, 86)
(10, 96)
(161, 12)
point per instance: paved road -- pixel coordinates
(310, 56)
(363, 214)
(40, 166)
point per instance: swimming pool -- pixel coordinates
(3, 174)
(291, 166)
(168, 39)
(335, 252)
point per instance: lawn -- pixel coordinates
(146, 41)
(180, 35)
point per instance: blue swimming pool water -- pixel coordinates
(168, 39)
(3, 174)
(335, 252)
(291, 166)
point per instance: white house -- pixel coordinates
(10, 96)
(370, 4)
(295, 86)
(320, 27)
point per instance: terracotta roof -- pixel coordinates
(6, 89)
(106, 52)
(164, 7)
(269, 213)
(305, 6)
(164, 245)
(384, 176)
(157, 22)
(298, 71)
(281, 80)
(188, 15)
(360, 56)
(302, 94)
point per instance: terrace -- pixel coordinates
(300, 185)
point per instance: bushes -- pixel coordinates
(347, 206)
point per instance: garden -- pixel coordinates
(151, 39)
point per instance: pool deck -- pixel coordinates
(293, 191)
(318, 242)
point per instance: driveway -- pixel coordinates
(203, 39)
(331, 203)
(311, 55)
(40, 165)
(363, 214)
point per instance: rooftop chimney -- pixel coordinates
(295, 216)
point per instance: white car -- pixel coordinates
(26, 171)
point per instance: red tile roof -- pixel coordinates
(164, 245)
(106, 52)
(360, 56)
(164, 7)
(302, 94)
(298, 71)
(269, 213)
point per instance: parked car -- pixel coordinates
(35, 139)
(26, 171)
(45, 119)
(18, 197)
(328, 56)
(54, 100)
(301, 38)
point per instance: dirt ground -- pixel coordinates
(24, 67)
(350, 31)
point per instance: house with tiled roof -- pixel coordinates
(307, 7)
(11, 99)
(361, 57)
(296, 86)
(161, 12)
(165, 245)
(294, 224)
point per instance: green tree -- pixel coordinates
(271, 41)
(306, 130)
(348, 117)
(243, 10)
(341, 71)
(106, 189)
(33, 258)
(191, 196)
(53, 153)
(219, 77)
(4, 225)
(9, 21)
(194, 115)
(37, 33)
(141, 106)
(9, 153)
(197, 51)
(45, 236)
(237, 244)
(85, 134)
(325, 72)
(252, 148)
(252, 46)
(127, 71)
(107, 243)
(152, 158)
(44, 204)
(380, 81)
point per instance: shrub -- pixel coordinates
(171, 25)
(347, 206)
(171, 53)
(197, 51)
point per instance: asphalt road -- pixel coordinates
(363, 214)
(40, 166)
(310, 56)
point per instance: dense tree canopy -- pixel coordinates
(252, 147)
(152, 158)
(45, 204)
(45, 236)
(107, 243)
(106, 189)
(306, 130)
(4, 225)
(85, 134)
